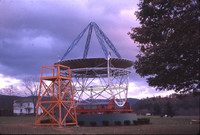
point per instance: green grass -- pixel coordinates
(158, 125)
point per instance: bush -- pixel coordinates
(46, 121)
(117, 122)
(147, 121)
(93, 123)
(81, 123)
(143, 121)
(105, 122)
(135, 122)
(69, 121)
(127, 122)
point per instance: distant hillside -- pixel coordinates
(132, 101)
(177, 103)
(6, 101)
(6, 104)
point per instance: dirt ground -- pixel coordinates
(158, 125)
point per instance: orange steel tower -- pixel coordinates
(56, 97)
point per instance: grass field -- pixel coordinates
(158, 125)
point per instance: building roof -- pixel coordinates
(24, 99)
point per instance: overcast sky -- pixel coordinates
(33, 33)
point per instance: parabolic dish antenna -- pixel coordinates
(95, 79)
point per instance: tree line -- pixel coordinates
(175, 104)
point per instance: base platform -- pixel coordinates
(110, 119)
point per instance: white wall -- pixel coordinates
(24, 108)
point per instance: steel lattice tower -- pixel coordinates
(56, 97)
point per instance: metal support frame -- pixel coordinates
(104, 109)
(88, 41)
(102, 38)
(89, 87)
(92, 83)
(56, 97)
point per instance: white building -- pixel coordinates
(24, 106)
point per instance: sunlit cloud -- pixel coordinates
(6, 81)
(142, 91)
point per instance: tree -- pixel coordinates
(169, 44)
(157, 109)
(169, 109)
(10, 90)
(32, 85)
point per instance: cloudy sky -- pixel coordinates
(33, 33)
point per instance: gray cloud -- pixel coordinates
(112, 7)
(34, 32)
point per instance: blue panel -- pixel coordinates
(108, 117)
(87, 42)
(109, 43)
(74, 43)
(102, 38)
